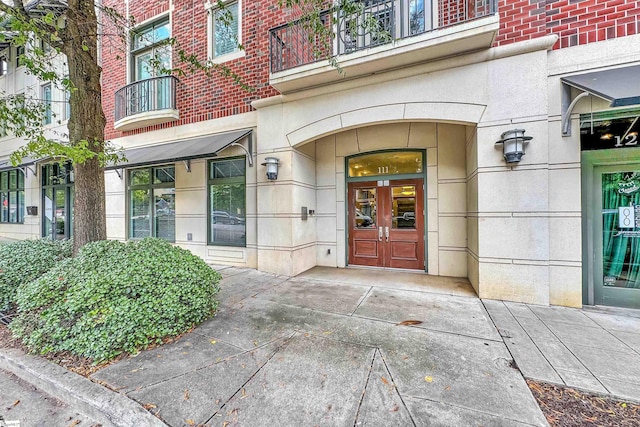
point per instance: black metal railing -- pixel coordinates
(158, 93)
(377, 22)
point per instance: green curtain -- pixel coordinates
(621, 254)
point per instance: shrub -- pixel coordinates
(115, 297)
(25, 260)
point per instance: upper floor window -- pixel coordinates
(46, 100)
(225, 30)
(19, 56)
(4, 64)
(150, 52)
(12, 196)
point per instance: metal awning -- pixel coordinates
(619, 86)
(185, 150)
(5, 164)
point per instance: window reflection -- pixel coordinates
(365, 208)
(404, 207)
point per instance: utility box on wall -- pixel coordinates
(32, 210)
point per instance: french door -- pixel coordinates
(386, 223)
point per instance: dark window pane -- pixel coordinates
(4, 181)
(20, 180)
(140, 214)
(13, 180)
(227, 168)
(165, 174)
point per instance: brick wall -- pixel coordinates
(204, 98)
(200, 97)
(574, 21)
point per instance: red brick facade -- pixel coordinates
(203, 98)
(200, 97)
(575, 22)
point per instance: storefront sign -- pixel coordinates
(602, 133)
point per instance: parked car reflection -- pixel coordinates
(227, 228)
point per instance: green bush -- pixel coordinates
(115, 297)
(26, 260)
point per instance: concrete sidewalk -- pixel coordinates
(311, 352)
(595, 350)
(326, 348)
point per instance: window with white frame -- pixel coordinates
(4, 64)
(150, 52)
(46, 100)
(225, 30)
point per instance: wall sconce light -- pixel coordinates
(513, 142)
(272, 167)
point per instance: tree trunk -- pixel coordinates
(87, 122)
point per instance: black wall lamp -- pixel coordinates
(272, 167)
(513, 142)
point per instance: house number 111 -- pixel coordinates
(383, 169)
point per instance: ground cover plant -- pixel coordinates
(24, 261)
(115, 297)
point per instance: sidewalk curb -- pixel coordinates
(95, 401)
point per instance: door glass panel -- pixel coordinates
(621, 229)
(403, 205)
(60, 213)
(387, 163)
(365, 208)
(165, 213)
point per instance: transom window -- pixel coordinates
(150, 51)
(12, 196)
(227, 202)
(225, 29)
(152, 203)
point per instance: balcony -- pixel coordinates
(386, 34)
(146, 103)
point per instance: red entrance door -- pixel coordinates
(386, 223)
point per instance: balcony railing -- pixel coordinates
(379, 22)
(145, 96)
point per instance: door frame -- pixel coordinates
(592, 164)
(425, 197)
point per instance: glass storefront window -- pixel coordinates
(12, 196)
(152, 217)
(227, 206)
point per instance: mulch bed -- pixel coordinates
(564, 407)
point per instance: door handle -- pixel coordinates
(380, 233)
(386, 233)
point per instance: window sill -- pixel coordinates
(228, 57)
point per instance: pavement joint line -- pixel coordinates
(233, 356)
(500, 340)
(572, 353)
(95, 401)
(364, 389)
(362, 300)
(608, 330)
(544, 356)
(561, 343)
(395, 387)
(472, 410)
(285, 342)
(438, 331)
(334, 339)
